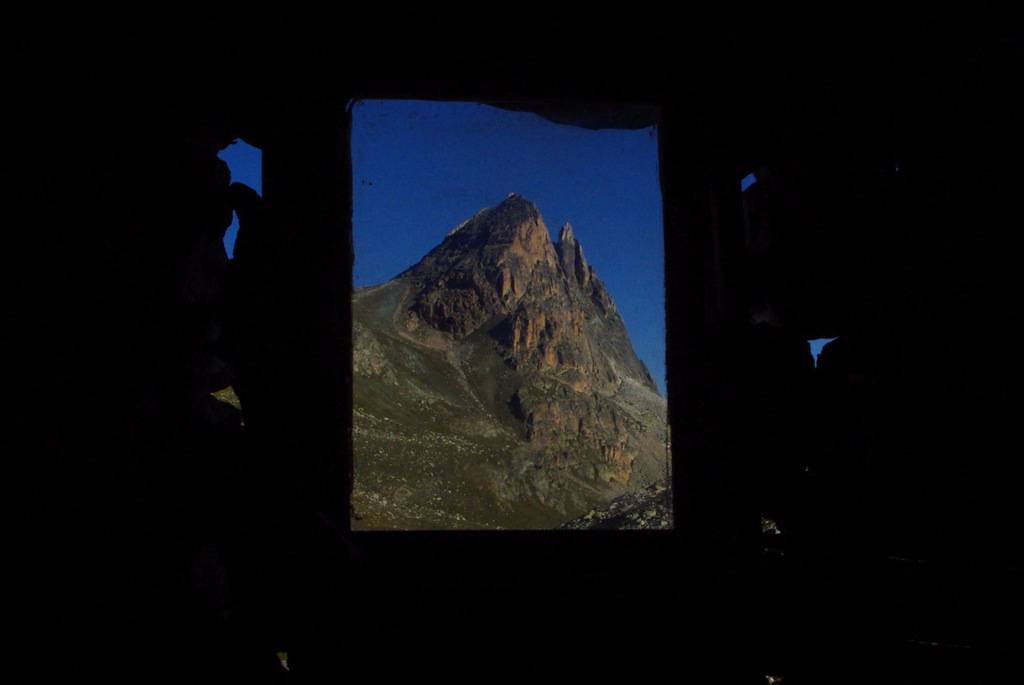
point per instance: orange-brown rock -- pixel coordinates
(483, 267)
(532, 339)
(551, 314)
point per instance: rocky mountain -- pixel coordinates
(496, 386)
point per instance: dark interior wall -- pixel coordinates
(912, 269)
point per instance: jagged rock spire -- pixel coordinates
(570, 254)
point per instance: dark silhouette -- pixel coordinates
(180, 542)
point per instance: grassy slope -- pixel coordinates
(427, 453)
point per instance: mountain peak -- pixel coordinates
(499, 332)
(519, 205)
(483, 267)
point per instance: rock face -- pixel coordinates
(510, 336)
(482, 268)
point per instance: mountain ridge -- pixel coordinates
(532, 351)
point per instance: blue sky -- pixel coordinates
(245, 162)
(817, 344)
(420, 168)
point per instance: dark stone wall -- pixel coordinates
(173, 539)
